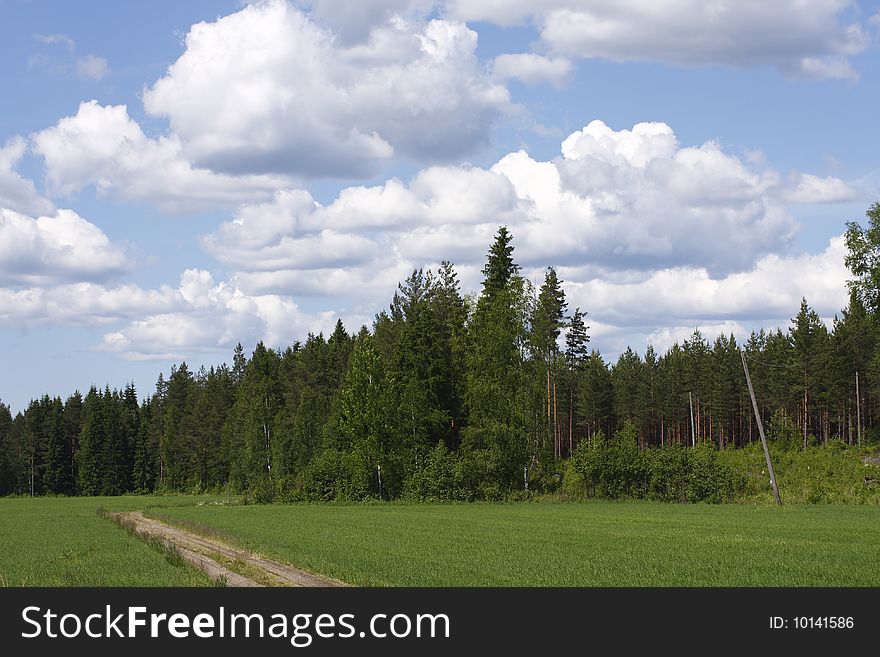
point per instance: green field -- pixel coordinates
(63, 542)
(547, 544)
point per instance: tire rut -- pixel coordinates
(209, 556)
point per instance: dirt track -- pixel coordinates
(218, 560)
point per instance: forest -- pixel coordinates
(456, 397)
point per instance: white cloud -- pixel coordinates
(212, 316)
(684, 296)
(801, 38)
(92, 67)
(268, 90)
(532, 69)
(619, 208)
(16, 192)
(812, 189)
(662, 339)
(665, 306)
(651, 237)
(52, 249)
(636, 147)
(198, 316)
(81, 304)
(104, 147)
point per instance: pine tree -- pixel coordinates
(496, 399)
(7, 462)
(90, 462)
(500, 270)
(808, 337)
(175, 442)
(451, 314)
(144, 456)
(546, 323)
(576, 355)
(58, 468)
(239, 362)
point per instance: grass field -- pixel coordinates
(590, 544)
(63, 542)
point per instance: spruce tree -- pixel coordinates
(497, 390)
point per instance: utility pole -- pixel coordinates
(761, 430)
(858, 411)
(693, 430)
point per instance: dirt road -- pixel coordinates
(219, 560)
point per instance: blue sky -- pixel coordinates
(178, 177)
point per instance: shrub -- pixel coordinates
(335, 475)
(617, 469)
(442, 477)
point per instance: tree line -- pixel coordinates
(450, 396)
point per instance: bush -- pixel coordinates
(832, 473)
(669, 473)
(616, 469)
(335, 475)
(782, 430)
(609, 468)
(442, 478)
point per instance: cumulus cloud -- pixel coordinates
(268, 90)
(652, 238)
(209, 316)
(18, 193)
(633, 220)
(666, 306)
(532, 69)
(52, 249)
(102, 146)
(801, 38)
(685, 295)
(81, 303)
(199, 315)
(813, 189)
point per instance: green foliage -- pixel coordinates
(336, 475)
(617, 469)
(443, 477)
(611, 468)
(825, 474)
(783, 431)
(863, 258)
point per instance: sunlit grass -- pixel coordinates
(64, 542)
(590, 544)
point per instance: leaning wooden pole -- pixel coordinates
(761, 430)
(858, 411)
(693, 430)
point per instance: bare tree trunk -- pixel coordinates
(548, 399)
(556, 431)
